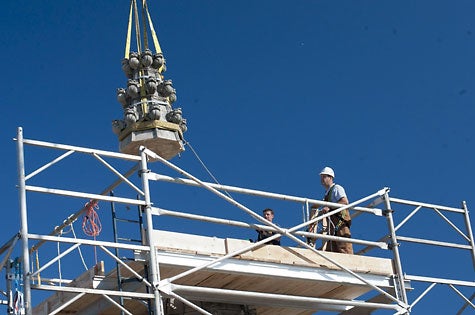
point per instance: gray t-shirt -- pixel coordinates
(337, 193)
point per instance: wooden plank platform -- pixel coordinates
(268, 270)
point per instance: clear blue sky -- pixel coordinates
(382, 91)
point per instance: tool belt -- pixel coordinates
(339, 221)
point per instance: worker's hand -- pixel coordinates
(325, 209)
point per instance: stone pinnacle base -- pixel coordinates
(166, 143)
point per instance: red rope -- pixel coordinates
(91, 225)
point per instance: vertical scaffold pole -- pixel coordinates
(395, 248)
(8, 270)
(469, 231)
(154, 275)
(24, 223)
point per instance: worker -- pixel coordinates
(337, 224)
(268, 214)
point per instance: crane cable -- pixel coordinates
(144, 22)
(206, 169)
(137, 27)
(156, 43)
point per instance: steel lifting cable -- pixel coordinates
(133, 8)
(139, 51)
(144, 22)
(204, 166)
(137, 27)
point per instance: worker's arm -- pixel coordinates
(343, 201)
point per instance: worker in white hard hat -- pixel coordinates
(339, 223)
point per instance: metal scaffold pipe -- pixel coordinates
(469, 231)
(399, 282)
(259, 193)
(280, 231)
(24, 223)
(155, 276)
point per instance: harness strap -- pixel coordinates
(341, 220)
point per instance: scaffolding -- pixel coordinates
(172, 272)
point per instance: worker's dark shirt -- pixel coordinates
(265, 234)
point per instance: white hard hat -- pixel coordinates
(328, 171)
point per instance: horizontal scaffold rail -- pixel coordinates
(275, 300)
(259, 193)
(136, 295)
(63, 239)
(89, 196)
(122, 156)
(425, 205)
(179, 214)
(177, 267)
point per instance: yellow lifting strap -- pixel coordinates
(129, 32)
(152, 30)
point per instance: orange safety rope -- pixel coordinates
(91, 225)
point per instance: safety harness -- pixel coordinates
(341, 221)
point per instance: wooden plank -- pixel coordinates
(268, 256)
(305, 257)
(195, 244)
(85, 280)
(188, 243)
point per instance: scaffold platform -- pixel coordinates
(272, 279)
(169, 272)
